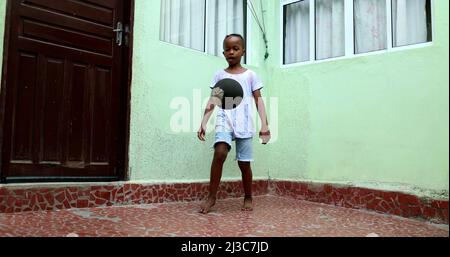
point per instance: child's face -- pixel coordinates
(233, 50)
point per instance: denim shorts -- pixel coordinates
(244, 146)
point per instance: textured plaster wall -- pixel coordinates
(379, 121)
(162, 72)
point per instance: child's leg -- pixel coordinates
(247, 178)
(220, 155)
(247, 181)
(244, 156)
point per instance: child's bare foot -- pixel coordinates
(248, 204)
(207, 205)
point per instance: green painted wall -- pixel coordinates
(162, 72)
(379, 121)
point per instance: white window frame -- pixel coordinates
(248, 31)
(349, 34)
(247, 36)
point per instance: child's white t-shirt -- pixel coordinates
(240, 120)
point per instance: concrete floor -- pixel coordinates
(273, 216)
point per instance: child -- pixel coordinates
(235, 125)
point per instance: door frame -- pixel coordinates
(127, 71)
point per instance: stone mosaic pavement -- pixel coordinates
(273, 216)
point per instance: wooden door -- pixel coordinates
(65, 90)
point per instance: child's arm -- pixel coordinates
(260, 106)
(208, 112)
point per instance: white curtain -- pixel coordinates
(297, 32)
(224, 17)
(409, 22)
(370, 25)
(183, 23)
(330, 29)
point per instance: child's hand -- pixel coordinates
(265, 136)
(201, 133)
